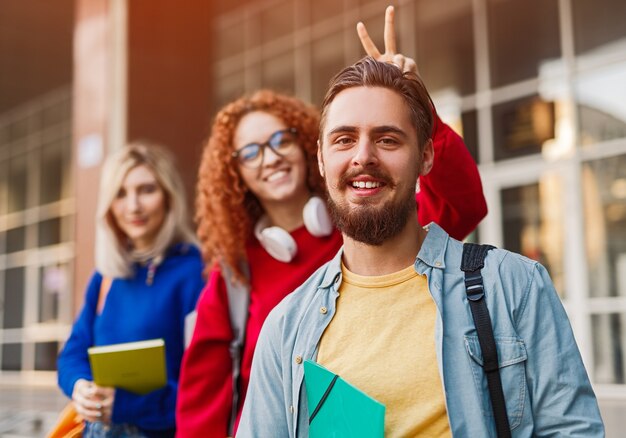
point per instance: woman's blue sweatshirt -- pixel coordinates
(136, 311)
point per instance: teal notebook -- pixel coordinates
(345, 411)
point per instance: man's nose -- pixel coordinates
(365, 153)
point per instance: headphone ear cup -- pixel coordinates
(276, 241)
(316, 217)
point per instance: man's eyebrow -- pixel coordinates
(343, 128)
(388, 129)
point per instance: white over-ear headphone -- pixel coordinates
(279, 243)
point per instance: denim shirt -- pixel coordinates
(545, 384)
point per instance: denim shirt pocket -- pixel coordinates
(511, 358)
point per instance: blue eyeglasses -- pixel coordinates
(281, 143)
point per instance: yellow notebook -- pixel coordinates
(137, 367)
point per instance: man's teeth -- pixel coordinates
(275, 176)
(365, 184)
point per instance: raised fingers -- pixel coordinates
(390, 31)
(366, 41)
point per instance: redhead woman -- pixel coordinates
(145, 250)
(263, 223)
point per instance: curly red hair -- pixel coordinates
(226, 210)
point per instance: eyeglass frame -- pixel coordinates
(262, 146)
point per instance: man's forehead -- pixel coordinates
(367, 108)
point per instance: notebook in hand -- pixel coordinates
(337, 408)
(137, 367)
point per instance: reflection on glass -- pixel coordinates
(532, 223)
(601, 101)
(522, 126)
(53, 284)
(446, 62)
(13, 298)
(609, 345)
(598, 23)
(11, 357)
(46, 356)
(279, 73)
(327, 60)
(522, 35)
(604, 190)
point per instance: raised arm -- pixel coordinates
(451, 194)
(205, 386)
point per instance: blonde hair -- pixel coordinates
(113, 253)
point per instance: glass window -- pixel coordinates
(51, 172)
(597, 23)
(229, 88)
(54, 284)
(231, 40)
(11, 357)
(17, 183)
(327, 61)
(520, 127)
(13, 298)
(277, 21)
(469, 132)
(16, 239)
(19, 129)
(604, 190)
(3, 187)
(279, 74)
(56, 114)
(532, 223)
(46, 355)
(445, 46)
(609, 345)
(601, 102)
(323, 9)
(522, 35)
(50, 232)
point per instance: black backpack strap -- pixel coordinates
(472, 263)
(238, 302)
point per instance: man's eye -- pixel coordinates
(344, 140)
(387, 141)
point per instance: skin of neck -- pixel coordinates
(392, 256)
(286, 215)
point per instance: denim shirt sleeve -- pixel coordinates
(265, 411)
(562, 400)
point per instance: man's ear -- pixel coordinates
(320, 160)
(427, 158)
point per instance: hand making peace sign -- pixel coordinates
(405, 63)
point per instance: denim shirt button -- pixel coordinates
(437, 264)
(292, 409)
(323, 310)
(298, 359)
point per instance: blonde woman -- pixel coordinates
(146, 250)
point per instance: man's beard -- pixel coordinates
(370, 224)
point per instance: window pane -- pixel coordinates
(522, 35)
(50, 232)
(17, 183)
(447, 60)
(3, 187)
(604, 189)
(532, 222)
(46, 356)
(597, 23)
(520, 127)
(608, 347)
(231, 40)
(16, 239)
(53, 285)
(51, 171)
(13, 298)
(229, 88)
(323, 9)
(279, 75)
(327, 61)
(277, 21)
(601, 102)
(11, 357)
(469, 132)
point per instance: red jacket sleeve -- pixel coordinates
(205, 385)
(451, 194)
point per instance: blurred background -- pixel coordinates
(536, 87)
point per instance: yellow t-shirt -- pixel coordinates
(381, 340)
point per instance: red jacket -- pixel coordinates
(450, 195)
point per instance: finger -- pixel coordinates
(399, 61)
(410, 66)
(366, 41)
(390, 31)
(88, 414)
